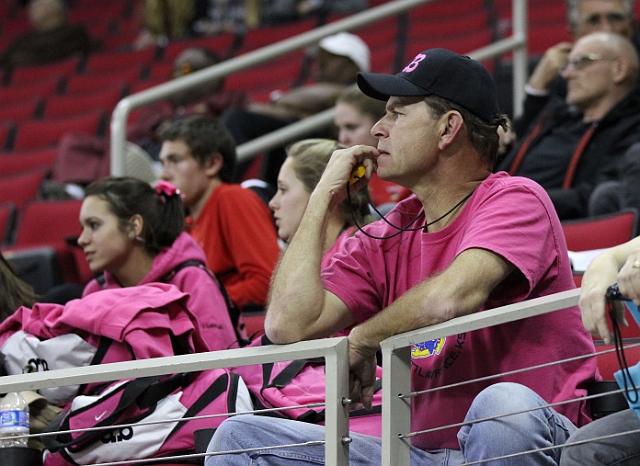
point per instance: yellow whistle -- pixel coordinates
(357, 173)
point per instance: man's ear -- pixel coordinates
(621, 70)
(213, 165)
(449, 126)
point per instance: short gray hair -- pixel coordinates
(573, 15)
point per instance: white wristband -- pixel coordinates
(535, 92)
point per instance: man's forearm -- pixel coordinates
(460, 290)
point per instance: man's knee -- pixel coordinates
(502, 398)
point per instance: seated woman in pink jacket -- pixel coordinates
(299, 174)
(133, 233)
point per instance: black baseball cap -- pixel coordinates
(440, 72)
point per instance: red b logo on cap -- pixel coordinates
(414, 64)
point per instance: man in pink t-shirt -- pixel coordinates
(472, 240)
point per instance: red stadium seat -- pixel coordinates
(31, 74)
(600, 232)
(20, 111)
(161, 71)
(449, 25)
(99, 81)
(145, 84)
(22, 187)
(68, 105)
(277, 74)
(608, 362)
(113, 61)
(19, 162)
(461, 43)
(263, 36)
(46, 133)
(55, 224)
(40, 89)
(220, 44)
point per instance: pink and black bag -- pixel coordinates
(127, 411)
(301, 382)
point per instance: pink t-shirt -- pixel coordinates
(335, 247)
(514, 218)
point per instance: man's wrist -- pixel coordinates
(358, 337)
(532, 91)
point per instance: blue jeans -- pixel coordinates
(489, 439)
(619, 451)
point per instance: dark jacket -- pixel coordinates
(37, 48)
(533, 105)
(618, 130)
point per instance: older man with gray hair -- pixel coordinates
(583, 17)
(578, 141)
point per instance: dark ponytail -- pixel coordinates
(161, 208)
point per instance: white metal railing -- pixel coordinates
(396, 409)
(333, 350)
(396, 367)
(516, 42)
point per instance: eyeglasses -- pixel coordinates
(582, 61)
(596, 19)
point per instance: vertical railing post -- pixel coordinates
(520, 65)
(336, 410)
(396, 412)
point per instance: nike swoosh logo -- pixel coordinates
(101, 416)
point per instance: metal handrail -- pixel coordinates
(248, 60)
(333, 350)
(396, 378)
(396, 368)
(517, 43)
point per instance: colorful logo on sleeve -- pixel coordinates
(428, 348)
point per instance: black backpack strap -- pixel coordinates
(234, 312)
(285, 376)
(103, 347)
(216, 389)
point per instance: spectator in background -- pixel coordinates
(622, 193)
(577, 142)
(13, 291)
(356, 113)
(78, 151)
(298, 177)
(164, 20)
(209, 99)
(584, 17)
(52, 38)
(286, 11)
(134, 234)
(231, 223)
(621, 265)
(339, 59)
(223, 16)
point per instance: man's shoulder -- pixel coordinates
(511, 190)
(234, 196)
(501, 181)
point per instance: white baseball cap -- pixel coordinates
(350, 46)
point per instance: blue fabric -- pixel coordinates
(622, 450)
(515, 433)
